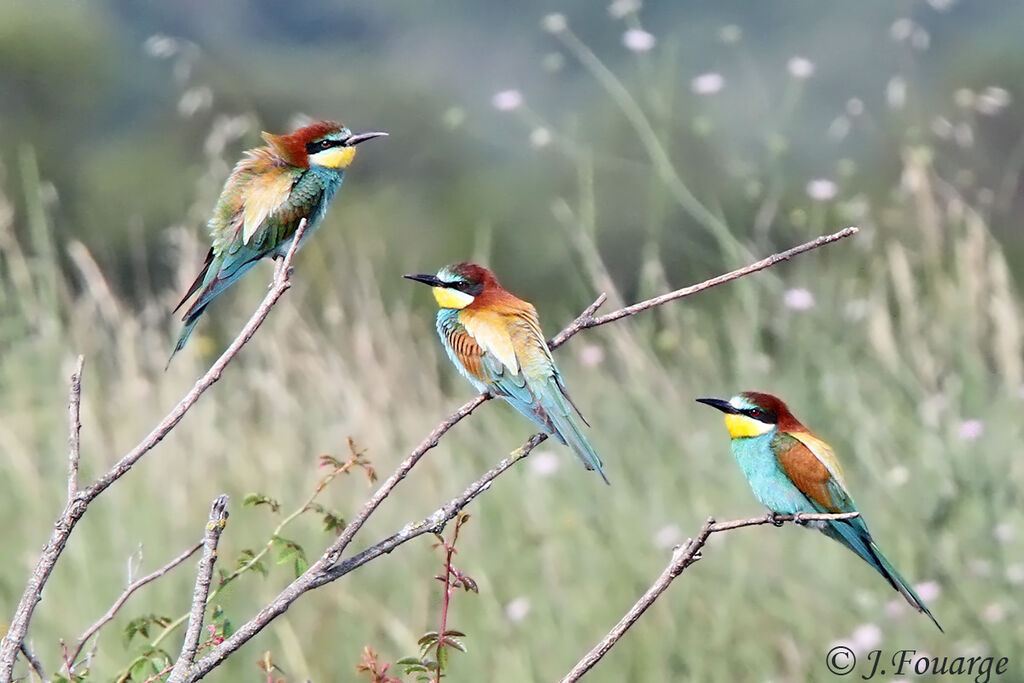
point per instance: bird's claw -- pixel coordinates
(775, 519)
(798, 518)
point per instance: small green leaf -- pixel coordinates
(261, 499)
(333, 522)
(456, 643)
(139, 669)
(247, 558)
(428, 638)
(442, 658)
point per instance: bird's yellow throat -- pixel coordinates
(741, 426)
(335, 157)
(451, 298)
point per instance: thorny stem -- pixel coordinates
(449, 547)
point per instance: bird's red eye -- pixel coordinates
(755, 412)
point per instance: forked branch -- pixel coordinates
(10, 645)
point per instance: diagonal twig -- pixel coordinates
(204, 575)
(327, 567)
(682, 557)
(131, 588)
(587, 321)
(72, 513)
(34, 663)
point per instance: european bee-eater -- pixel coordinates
(792, 471)
(268, 193)
(494, 339)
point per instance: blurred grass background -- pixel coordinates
(629, 151)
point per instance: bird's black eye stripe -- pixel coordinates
(471, 288)
(759, 415)
(321, 145)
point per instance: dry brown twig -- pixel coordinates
(682, 557)
(34, 664)
(329, 566)
(204, 575)
(76, 507)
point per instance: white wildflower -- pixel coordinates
(638, 40)
(822, 189)
(540, 137)
(800, 67)
(668, 536)
(507, 100)
(623, 8)
(554, 23)
(544, 463)
(798, 299)
(707, 84)
(517, 609)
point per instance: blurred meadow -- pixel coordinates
(576, 148)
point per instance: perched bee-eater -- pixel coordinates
(494, 339)
(268, 193)
(792, 471)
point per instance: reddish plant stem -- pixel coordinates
(449, 551)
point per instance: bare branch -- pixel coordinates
(131, 588)
(218, 519)
(590, 321)
(682, 557)
(327, 568)
(33, 662)
(10, 645)
(74, 427)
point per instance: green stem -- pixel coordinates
(649, 139)
(174, 625)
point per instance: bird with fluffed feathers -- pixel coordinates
(793, 472)
(494, 339)
(269, 192)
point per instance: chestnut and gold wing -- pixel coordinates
(492, 333)
(503, 350)
(264, 195)
(811, 465)
(464, 351)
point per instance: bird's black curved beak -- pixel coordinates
(426, 279)
(724, 406)
(353, 140)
